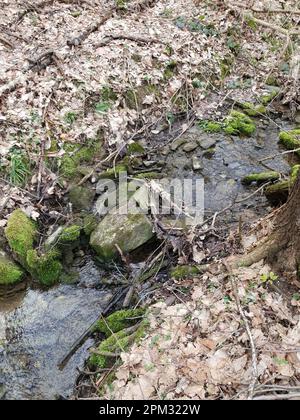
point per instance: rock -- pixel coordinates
(10, 273)
(189, 147)
(53, 238)
(177, 143)
(206, 143)
(197, 163)
(149, 163)
(81, 198)
(127, 231)
(297, 117)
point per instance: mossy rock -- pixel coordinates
(77, 155)
(239, 123)
(116, 343)
(253, 110)
(10, 273)
(70, 234)
(279, 192)
(112, 173)
(135, 148)
(183, 271)
(270, 95)
(261, 177)
(21, 233)
(118, 321)
(127, 231)
(45, 268)
(290, 139)
(90, 223)
(81, 197)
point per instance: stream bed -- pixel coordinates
(38, 327)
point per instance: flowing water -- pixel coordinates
(38, 327)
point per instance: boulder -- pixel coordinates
(127, 231)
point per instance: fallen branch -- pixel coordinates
(79, 39)
(138, 39)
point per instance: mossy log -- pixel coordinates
(261, 177)
(290, 139)
(278, 193)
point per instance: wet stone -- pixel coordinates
(189, 147)
(207, 143)
(177, 143)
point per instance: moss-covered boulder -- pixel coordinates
(70, 234)
(239, 123)
(10, 273)
(21, 234)
(127, 231)
(46, 268)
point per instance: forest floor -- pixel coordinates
(72, 72)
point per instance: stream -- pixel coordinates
(38, 327)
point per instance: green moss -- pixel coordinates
(90, 223)
(70, 234)
(69, 278)
(239, 123)
(119, 320)
(76, 155)
(261, 177)
(182, 271)
(210, 126)
(294, 172)
(10, 273)
(135, 148)
(114, 172)
(117, 342)
(266, 98)
(45, 268)
(253, 110)
(20, 233)
(290, 139)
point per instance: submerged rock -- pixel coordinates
(127, 231)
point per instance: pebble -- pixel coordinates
(197, 163)
(177, 143)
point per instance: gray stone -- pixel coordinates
(297, 117)
(81, 198)
(127, 231)
(189, 147)
(177, 143)
(197, 163)
(206, 143)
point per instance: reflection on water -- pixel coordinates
(37, 329)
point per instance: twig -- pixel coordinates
(279, 154)
(138, 39)
(6, 42)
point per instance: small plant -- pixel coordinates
(70, 117)
(268, 277)
(19, 168)
(102, 107)
(296, 297)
